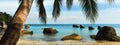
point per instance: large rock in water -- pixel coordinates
(90, 28)
(27, 32)
(81, 26)
(75, 26)
(49, 31)
(27, 26)
(99, 28)
(107, 33)
(72, 37)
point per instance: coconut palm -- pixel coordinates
(12, 33)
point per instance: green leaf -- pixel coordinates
(42, 11)
(56, 8)
(69, 4)
(90, 9)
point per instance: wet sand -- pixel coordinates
(68, 42)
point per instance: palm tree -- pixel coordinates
(12, 33)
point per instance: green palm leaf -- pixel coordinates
(42, 12)
(90, 9)
(69, 4)
(56, 8)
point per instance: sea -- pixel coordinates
(65, 30)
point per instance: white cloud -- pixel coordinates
(109, 16)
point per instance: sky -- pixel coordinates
(107, 13)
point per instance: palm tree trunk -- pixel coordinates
(12, 33)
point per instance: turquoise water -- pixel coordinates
(64, 30)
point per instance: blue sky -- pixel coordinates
(108, 14)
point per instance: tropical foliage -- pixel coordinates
(5, 17)
(89, 7)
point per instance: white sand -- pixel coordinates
(68, 42)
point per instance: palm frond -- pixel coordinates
(42, 11)
(69, 4)
(110, 1)
(90, 9)
(56, 8)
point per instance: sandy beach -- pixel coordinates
(68, 42)
(26, 42)
(106, 43)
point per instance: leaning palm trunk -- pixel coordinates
(12, 33)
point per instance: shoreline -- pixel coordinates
(67, 42)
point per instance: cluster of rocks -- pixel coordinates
(81, 26)
(76, 26)
(69, 37)
(104, 33)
